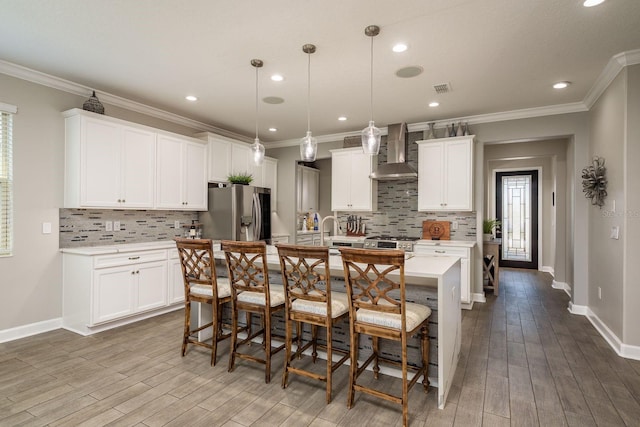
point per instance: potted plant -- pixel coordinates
(244, 178)
(488, 228)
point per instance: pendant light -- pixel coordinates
(371, 134)
(257, 148)
(308, 144)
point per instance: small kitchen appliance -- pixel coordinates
(390, 242)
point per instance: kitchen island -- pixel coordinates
(440, 274)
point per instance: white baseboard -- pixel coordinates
(29, 330)
(478, 297)
(561, 285)
(547, 269)
(581, 310)
(621, 349)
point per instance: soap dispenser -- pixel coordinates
(315, 222)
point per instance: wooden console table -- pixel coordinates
(491, 259)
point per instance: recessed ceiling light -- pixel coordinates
(273, 129)
(400, 47)
(561, 85)
(277, 78)
(591, 3)
(434, 104)
(342, 118)
(191, 98)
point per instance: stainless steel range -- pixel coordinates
(390, 242)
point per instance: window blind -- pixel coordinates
(6, 184)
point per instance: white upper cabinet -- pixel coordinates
(445, 174)
(219, 153)
(111, 163)
(308, 189)
(227, 156)
(107, 163)
(181, 174)
(351, 187)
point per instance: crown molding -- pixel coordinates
(613, 67)
(58, 83)
(527, 113)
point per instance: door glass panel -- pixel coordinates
(516, 218)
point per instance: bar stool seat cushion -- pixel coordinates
(416, 314)
(276, 295)
(224, 289)
(339, 305)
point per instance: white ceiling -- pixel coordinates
(498, 55)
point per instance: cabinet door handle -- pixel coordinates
(134, 257)
(441, 252)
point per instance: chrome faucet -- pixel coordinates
(322, 227)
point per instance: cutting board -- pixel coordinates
(436, 230)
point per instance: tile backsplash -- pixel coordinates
(398, 205)
(86, 227)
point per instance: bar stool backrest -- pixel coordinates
(247, 266)
(375, 280)
(197, 262)
(305, 270)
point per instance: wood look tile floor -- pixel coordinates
(525, 361)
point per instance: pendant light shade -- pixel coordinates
(257, 148)
(308, 144)
(371, 134)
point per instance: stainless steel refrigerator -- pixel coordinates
(237, 212)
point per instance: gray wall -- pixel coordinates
(631, 219)
(31, 279)
(613, 264)
(607, 125)
(550, 156)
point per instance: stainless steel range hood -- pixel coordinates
(396, 167)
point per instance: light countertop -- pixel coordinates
(120, 248)
(456, 243)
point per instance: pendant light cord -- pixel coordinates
(309, 93)
(256, 102)
(371, 80)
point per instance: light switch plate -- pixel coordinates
(46, 228)
(108, 226)
(454, 225)
(615, 232)
(176, 224)
(116, 225)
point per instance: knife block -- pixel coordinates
(354, 234)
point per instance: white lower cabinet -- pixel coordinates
(176, 282)
(104, 291)
(464, 252)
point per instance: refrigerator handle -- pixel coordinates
(257, 217)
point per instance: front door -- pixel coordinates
(517, 211)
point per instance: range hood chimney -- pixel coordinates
(396, 167)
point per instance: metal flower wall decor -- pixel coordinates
(594, 182)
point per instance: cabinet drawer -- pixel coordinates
(440, 250)
(115, 260)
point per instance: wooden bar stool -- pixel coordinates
(251, 293)
(372, 278)
(304, 270)
(203, 286)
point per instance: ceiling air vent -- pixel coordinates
(442, 88)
